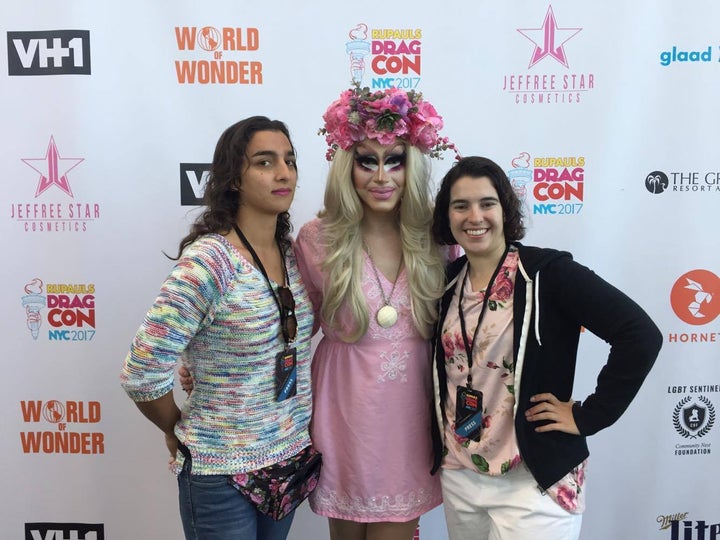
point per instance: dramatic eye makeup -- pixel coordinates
(391, 162)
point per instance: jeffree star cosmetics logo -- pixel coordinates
(53, 169)
(549, 39)
(49, 210)
(552, 82)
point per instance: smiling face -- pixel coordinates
(379, 175)
(476, 217)
(267, 185)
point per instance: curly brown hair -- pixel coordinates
(222, 197)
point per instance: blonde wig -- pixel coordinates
(342, 216)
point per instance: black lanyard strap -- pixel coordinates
(486, 299)
(260, 266)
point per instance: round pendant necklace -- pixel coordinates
(387, 315)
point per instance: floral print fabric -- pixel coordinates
(277, 490)
(493, 373)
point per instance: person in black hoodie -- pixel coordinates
(507, 433)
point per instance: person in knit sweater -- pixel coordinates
(223, 312)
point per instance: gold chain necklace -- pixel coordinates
(387, 315)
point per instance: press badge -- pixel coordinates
(468, 413)
(286, 374)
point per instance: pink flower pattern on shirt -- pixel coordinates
(493, 372)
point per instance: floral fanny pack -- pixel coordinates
(278, 489)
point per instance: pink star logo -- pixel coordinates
(549, 39)
(53, 169)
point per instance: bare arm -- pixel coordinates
(164, 413)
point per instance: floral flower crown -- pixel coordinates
(383, 115)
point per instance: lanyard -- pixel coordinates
(260, 266)
(486, 299)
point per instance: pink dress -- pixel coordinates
(371, 405)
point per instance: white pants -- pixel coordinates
(508, 507)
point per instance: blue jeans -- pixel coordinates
(211, 509)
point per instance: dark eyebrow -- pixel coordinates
(484, 199)
(271, 153)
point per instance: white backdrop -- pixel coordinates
(604, 114)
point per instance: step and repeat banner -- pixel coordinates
(604, 115)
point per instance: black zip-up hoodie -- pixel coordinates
(554, 297)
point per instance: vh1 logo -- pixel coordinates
(64, 531)
(193, 177)
(52, 52)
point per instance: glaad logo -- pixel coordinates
(693, 420)
(675, 55)
(193, 177)
(51, 52)
(64, 531)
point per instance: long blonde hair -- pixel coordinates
(342, 216)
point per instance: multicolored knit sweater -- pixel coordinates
(215, 311)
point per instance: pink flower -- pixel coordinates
(241, 479)
(486, 421)
(384, 116)
(493, 365)
(503, 287)
(567, 498)
(448, 343)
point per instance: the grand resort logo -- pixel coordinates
(548, 77)
(385, 57)
(54, 208)
(218, 55)
(686, 182)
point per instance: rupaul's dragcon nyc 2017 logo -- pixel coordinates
(385, 57)
(68, 309)
(548, 78)
(551, 185)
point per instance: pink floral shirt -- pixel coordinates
(493, 373)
